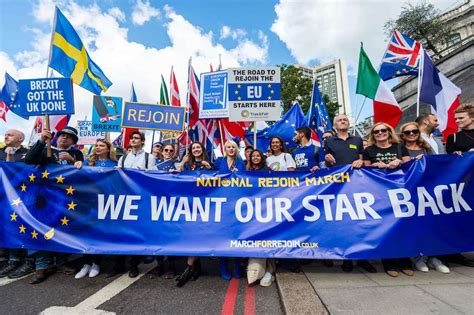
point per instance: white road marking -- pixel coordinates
(89, 305)
(6, 280)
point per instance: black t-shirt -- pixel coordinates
(18, 156)
(375, 154)
(344, 151)
(464, 141)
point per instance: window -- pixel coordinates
(453, 39)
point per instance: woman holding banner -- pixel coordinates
(280, 159)
(411, 138)
(103, 155)
(196, 160)
(231, 162)
(385, 151)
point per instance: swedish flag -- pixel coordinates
(70, 58)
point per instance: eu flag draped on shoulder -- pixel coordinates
(70, 58)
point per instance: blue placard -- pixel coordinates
(106, 113)
(53, 96)
(213, 95)
(154, 117)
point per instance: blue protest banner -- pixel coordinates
(52, 96)
(254, 94)
(106, 113)
(425, 208)
(213, 95)
(152, 116)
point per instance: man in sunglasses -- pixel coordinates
(428, 124)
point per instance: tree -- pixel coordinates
(295, 87)
(421, 22)
(332, 107)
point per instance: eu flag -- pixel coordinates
(9, 94)
(317, 115)
(70, 58)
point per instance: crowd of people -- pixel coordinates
(383, 148)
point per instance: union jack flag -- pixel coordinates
(401, 58)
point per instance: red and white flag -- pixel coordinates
(3, 111)
(175, 100)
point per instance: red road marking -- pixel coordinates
(249, 307)
(230, 297)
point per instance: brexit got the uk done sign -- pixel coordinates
(254, 94)
(153, 117)
(49, 96)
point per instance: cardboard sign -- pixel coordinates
(52, 96)
(254, 94)
(153, 117)
(213, 95)
(86, 134)
(106, 113)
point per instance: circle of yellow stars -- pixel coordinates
(16, 202)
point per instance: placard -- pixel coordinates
(48, 96)
(106, 113)
(153, 117)
(213, 95)
(254, 94)
(86, 134)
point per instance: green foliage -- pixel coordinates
(294, 87)
(332, 107)
(420, 21)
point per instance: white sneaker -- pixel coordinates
(435, 263)
(84, 272)
(267, 279)
(95, 270)
(420, 264)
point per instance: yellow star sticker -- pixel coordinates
(23, 187)
(16, 202)
(64, 221)
(70, 190)
(45, 174)
(34, 234)
(13, 216)
(32, 177)
(71, 206)
(22, 229)
(60, 179)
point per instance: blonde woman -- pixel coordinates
(385, 151)
(411, 138)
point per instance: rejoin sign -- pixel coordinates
(53, 96)
(254, 94)
(152, 116)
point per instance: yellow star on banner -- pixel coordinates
(269, 86)
(60, 179)
(238, 86)
(34, 234)
(236, 92)
(22, 229)
(32, 177)
(272, 92)
(64, 221)
(16, 202)
(23, 187)
(239, 98)
(69, 190)
(269, 97)
(45, 174)
(13, 216)
(398, 72)
(71, 206)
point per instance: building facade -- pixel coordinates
(332, 81)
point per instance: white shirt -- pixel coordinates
(137, 161)
(431, 141)
(281, 162)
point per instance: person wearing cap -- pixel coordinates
(64, 154)
(157, 150)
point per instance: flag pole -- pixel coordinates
(187, 109)
(46, 117)
(255, 135)
(360, 111)
(219, 121)
(420, 74)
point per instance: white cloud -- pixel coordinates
(117, 13)
(125, 61)
(325, 30)
(144, 12)
(227, 32)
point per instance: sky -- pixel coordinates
(140, 40)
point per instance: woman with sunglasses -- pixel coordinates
(167, 163)
(410, 137)
(280, 159)
(385, 151)
(103, 155)
(196, 159)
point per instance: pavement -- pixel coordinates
(358, 292)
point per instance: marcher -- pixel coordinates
(248, 150)
(157, 150)
(102, 156)
(463, 141)
(167, 162)
(385, 151)
(280, 159)
(428, 124)
(306, 155)
(15, 262)
(64, 154)
(410, 137)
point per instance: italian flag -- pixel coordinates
(369, 83)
